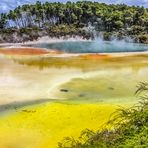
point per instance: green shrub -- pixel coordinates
(143, 39)
(130, 128)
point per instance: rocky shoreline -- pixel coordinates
(44, 39)
(30, 35)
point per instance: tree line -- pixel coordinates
(130, 19)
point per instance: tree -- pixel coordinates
(3, 20)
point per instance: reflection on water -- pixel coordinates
(85, 63)
(21, 82)
(81, 78)
(96, 46)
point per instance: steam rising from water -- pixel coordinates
(96, 46)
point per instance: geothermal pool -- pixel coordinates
(45, 97)
(97, 46)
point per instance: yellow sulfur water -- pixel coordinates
(45, 125)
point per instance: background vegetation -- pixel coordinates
(28, 22)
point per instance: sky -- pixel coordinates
(6, 5)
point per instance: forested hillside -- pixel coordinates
(59, 19)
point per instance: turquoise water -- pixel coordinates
(93, 46)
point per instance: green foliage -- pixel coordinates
(106, 18)
(129, 128)
(143, 38)
(3, 20)
(111, 17)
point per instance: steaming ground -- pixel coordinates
(39, 77)
(22, 83)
